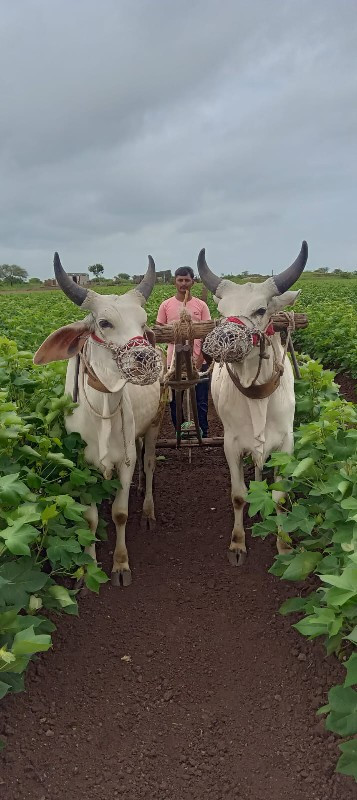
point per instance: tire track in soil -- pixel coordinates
(219, 697)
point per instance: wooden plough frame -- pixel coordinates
(186, 377)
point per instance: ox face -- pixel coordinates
(113, 320)
(253, 303)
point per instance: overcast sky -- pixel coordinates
(130, 127)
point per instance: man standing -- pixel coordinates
(168, 312)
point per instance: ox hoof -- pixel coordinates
(236, 558)
(147, 523)
(121, 577)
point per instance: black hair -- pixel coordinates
(185, 271)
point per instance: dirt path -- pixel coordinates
(216, 697)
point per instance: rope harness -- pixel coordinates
(264, 339)
(146, 372)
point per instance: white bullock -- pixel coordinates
(112, 414)
(252, 425)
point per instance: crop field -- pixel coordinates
(331, 305)
(45, 488)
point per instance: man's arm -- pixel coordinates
(205, 312)
(161, 318)
(205, 317)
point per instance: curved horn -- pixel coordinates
(75, 293)
(208, 277)
(148, 282)
(285, 279)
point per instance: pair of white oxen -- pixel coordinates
(113, 414)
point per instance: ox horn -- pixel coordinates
(147, 284)
(75, 293)
(208, 277)
(285, 279)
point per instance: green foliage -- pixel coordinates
(26, 318)
(45, 488)
(96, 270)
(331, 335)
(42, 530)
(320, 523)
(11, 273)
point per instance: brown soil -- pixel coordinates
(348, 386)
(186, 685)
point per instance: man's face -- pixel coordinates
(183, 283)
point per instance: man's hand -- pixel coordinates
(199, 361)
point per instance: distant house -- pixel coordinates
(165, 276)
(77, 277)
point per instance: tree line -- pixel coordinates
(12, 274)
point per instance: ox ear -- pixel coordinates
(63, 344)
(281, 301)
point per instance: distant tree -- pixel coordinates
(245, 273)
(35, 281)
(124, 276)
(321, 270)
(96, 270)
(10, 273)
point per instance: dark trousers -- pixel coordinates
(202, 404)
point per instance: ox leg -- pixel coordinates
(91, 515)
(148, 517)
(282, 547)
(237, 552)
(258, 474)
(139, 460)
(121, 574)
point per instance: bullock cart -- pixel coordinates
(183, 376)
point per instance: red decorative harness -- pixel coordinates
(269, 330)
(136, 341)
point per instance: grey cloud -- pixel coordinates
(132, 127)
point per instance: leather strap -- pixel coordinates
(95, 383)
(257, 391)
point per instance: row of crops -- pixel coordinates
(45, 487)
(331, 306)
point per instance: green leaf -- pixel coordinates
(27, 642)
(280, 564)
(292, 604)
(18, 537)
(351, 667)
(347, 580)
(342, 718)
(60, 459)
(263, 529)
(22, 578)
(4, 689)
(311, 626)
(353, 635)
(303, 467)
(85, 537)
(347, 763)
(94, 577)
(12, 490)
(49, 513)
(14, 681)
(297, 519)
(63, 598)
(301, 566)
(260, 499)
(279, 459)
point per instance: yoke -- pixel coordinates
(183, 375)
